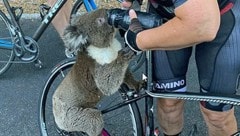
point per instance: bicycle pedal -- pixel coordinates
(38, 64)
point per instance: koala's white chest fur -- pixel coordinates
(105, 55)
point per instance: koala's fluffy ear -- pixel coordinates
(74, 38)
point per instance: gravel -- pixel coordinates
(31, 6)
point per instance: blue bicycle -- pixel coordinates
(15, 46)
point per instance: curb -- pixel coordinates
(31, 16)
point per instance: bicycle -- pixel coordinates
(13, 41)
(116, 107)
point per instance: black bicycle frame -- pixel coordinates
(48, 18)
(149, 124)
(44, 23)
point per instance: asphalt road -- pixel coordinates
(21, 85)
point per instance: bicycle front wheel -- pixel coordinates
(80, 7)
(6, 43)
(121, 121)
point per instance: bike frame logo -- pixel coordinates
(52, 11)
(170, 85)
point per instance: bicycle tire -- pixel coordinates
(136, 63)
(78, 8)
(46, 119)
(6, 44)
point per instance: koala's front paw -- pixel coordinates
(127, 53)
(142, 84)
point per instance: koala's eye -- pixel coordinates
(100, 21)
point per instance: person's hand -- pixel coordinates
(134, 28)
(127, 4)
(133, 4)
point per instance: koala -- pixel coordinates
(100, 69)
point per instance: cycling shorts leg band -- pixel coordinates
(169, 70)
(177, 84)
(216, 106)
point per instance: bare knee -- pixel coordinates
(170, 113)
(220, 123)
(170, 105)
(170, 110)
(215, 117)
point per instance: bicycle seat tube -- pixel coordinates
(17, 29)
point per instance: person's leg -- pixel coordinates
(169, 69)
(219, 123)
(170, 115)
(61, 20)
(218, 62)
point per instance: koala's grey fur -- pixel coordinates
(100, 70)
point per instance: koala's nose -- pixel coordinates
(102, 20)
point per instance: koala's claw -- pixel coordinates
(127, 53)
(69, 54)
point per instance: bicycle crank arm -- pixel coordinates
(227, 99)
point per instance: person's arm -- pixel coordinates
(196, 21)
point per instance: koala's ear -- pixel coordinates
(100, 21)
(74, 39)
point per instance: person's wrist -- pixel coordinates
(130, 40)
(138, 41)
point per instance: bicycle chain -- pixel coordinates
(230, 99)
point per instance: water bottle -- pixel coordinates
(119, 18)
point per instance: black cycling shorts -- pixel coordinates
(218, 63)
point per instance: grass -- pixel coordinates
(31, 6)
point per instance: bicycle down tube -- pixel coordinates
(48, 18)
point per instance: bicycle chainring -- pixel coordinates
(27, 51)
